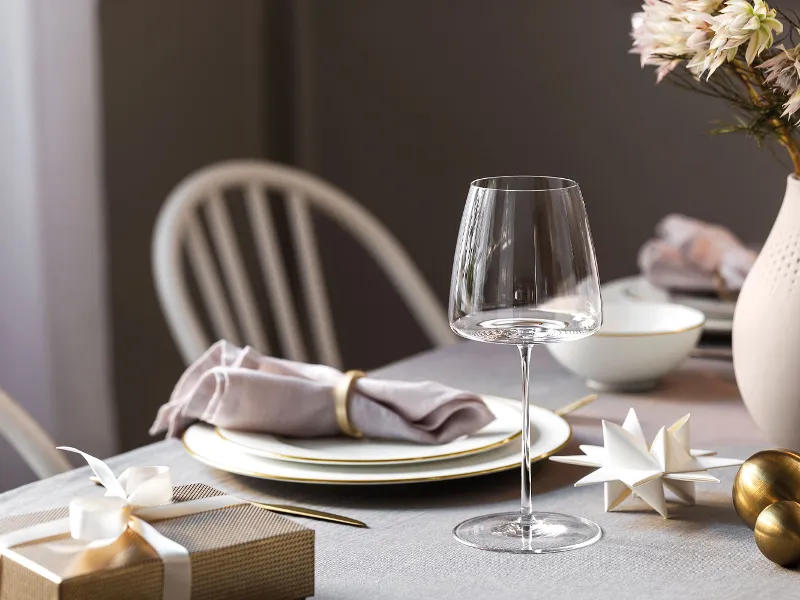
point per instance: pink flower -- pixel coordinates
(783, 72)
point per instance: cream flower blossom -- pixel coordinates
(783, 72)
(699, 42)
(741, 22)
(659, 35)
(667, 32)
(702, 6)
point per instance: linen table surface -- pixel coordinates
(409, 552)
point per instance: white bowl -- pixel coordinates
(638, 343)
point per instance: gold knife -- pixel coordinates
(564, 410)
(297, 511)
(309, 513)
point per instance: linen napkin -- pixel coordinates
(239, 388)
(688, 254)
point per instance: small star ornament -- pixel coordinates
(627, 466)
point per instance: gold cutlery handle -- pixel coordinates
(309, 513)
(564, 410)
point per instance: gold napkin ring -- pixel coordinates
(341, 398)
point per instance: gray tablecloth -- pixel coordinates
(702, 552)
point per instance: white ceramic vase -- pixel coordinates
(766, 329)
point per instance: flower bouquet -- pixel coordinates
(728, 50)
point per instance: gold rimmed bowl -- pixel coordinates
(638, 343)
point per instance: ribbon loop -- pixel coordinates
(102, 471)
(147, 486)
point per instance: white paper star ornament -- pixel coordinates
(626, 465)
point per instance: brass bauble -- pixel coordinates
(777, 533)
(765, 478)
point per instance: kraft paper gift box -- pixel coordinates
(240, 552)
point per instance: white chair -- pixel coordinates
(179, 228)
(29, 439)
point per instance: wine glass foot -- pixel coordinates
(549, 532)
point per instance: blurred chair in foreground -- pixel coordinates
(229, 300)
(29, 439)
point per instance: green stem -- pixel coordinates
(784, 134)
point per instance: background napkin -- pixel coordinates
(240, 389)
(687, 254)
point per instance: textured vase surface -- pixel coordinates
(766, 329)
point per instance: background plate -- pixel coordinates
(719, 313)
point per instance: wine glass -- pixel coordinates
(525, 273)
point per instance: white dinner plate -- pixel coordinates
(719, 313)
(712, 307)
(550, 433)
(349, 451)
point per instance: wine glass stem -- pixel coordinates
(526, 509)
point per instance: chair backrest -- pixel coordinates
(179, 229)
(29, 439)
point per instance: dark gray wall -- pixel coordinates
(401, 103)
(412, 100)
(182, 88)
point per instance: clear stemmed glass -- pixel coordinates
(525, 273)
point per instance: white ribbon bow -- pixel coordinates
(139, 495)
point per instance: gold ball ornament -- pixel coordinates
(765, 478)
(777, 533)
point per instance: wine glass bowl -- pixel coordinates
(524, 268)
(525, 273)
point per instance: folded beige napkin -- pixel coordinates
(688, 254)
(238, 388)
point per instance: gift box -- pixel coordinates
(238, 552)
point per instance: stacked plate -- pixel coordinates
(718, 312)
(348, 461)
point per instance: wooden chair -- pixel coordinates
(180, 229)
(29, 439)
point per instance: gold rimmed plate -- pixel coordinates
(343, 450)
(719, 312)
(550, 433)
